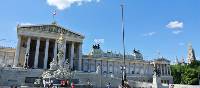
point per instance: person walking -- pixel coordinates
(108, 85)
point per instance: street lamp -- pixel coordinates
(199, 77)
(124, 66)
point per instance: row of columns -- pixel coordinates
(16, 60)
(164, 69)
(142, 69)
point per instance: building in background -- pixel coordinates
(180, 61)
(7, 55)
(137, 68)
(191, 54)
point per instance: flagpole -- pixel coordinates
(123, 39)
(53, 18)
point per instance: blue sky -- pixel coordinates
(152, 26)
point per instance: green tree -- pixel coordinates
(186, 74)
(190, 77)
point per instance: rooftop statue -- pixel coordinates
(136, 51)
(137, 54)
(96, 46)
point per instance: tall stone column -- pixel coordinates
(167, 69)
(161, 72)
(145, 68)
(27, 51)
(107, 66)
(72, 55)
(80, 56)
(37, 53)
(64, 57)
(55, 50)
(129, 68)
(164, 69)
(101, 66)
(113, 67)
(133, 68)
(16, 60)
(89, 64)
(95, 64)
(148, 68)
(46, 54)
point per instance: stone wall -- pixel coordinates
(100, 81)
(16, 76)
(183, 86)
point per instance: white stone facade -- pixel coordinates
(37, 46)
(7, 55)
(137, 69)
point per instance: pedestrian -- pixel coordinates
(44, 83)
(109, 85)
(72, 86)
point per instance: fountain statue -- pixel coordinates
(59, 68)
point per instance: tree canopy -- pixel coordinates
(186, 74)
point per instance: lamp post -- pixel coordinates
(199, 77)
(124, 66)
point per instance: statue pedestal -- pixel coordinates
(156, 82)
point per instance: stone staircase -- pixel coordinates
(17, 76)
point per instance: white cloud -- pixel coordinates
(149, 34)
(64, 4)
(175, 25)
(177, 32)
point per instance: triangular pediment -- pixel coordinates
(52, 28)
(162, 59)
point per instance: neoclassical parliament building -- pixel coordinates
(37, 47)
